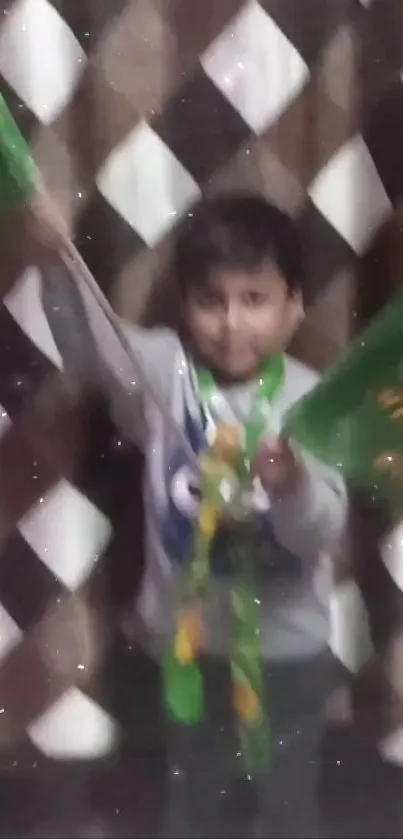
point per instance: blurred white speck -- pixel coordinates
(80, 667)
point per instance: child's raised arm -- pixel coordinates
(93, 354)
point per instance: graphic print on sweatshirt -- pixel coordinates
(182, 486)
(183, 492)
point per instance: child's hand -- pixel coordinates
(277, 466)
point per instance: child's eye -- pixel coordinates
(207, 301)
(255, 298)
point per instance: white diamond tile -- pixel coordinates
(4, 421)
(40, 57)
(67, 532)
(391, 748)
(10, 634)
(350, 639)
(146, 184)
(349, 193)
(255, 66)
(392, 554)
(74, 727)
(24, 304)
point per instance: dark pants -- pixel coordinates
(175, 782)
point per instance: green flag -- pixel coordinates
(353, 420)
(18, 172)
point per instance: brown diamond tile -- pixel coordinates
(27, 688)
(328, 325)
(256, 167)
(136, 294)
(96, 120)
(310, 132)
(59, 173)
(138, 57)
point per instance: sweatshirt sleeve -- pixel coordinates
(313, 518)
(93, 354)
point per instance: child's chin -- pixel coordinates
(236, 371)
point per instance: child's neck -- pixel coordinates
(227, 380)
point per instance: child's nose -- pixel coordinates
(232, 316)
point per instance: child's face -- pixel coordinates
(239, 318)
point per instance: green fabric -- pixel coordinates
(271, 381)
(355, 414)
(18, 173)
(184, 695)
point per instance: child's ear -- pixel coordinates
(297, 311)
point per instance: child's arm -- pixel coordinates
(93, 354)
(308, 500)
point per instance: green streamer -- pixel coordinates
(18, 172)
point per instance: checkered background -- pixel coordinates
(134, 108)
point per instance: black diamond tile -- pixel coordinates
(325, 251)
(88, 21)
(105, 240)
(27, 587)
(23, 367)
(201, 128)
(309, 24)
(383, 134)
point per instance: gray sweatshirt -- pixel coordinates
(298, 534)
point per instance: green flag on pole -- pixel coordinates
(353, 420)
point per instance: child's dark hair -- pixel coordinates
(238, 231)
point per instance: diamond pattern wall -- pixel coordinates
(134, 109)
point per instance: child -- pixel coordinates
(239, 271)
